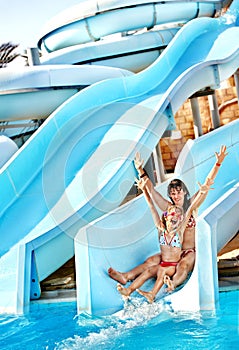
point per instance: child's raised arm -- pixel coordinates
(142, 185)
(160, 201)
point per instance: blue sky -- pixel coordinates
(21, 21)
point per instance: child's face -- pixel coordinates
(174, 218)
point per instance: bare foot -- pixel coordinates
(123, 291)
(148, 295)
(169, 283)
(117, 276)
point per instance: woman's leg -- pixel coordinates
(184, 266)
(139, 281)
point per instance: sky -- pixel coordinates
(21, 21)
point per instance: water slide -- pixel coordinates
(133, 52)
(90, 21)
(93, 32)
(125, 237)
(129, 115)
(29, 94)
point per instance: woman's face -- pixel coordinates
(177, 195)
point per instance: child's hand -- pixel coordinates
(141, 183)
(206, 187)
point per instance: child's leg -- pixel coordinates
(150, 296)
(124, 277)
(139, 281)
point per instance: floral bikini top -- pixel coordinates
(191, 222)
(174, 242)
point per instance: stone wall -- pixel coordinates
(228, 110)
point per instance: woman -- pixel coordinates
(171, 230)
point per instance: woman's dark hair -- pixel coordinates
(178, 185)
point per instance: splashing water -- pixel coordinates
(135, 313)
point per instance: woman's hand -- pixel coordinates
(138, 162)
(221, 156)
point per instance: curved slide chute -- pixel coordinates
(93, 137)
(90, 21)
(35, 92)
(7, 149)
(132, 52)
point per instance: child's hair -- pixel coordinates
(173, 206)
(178, 185)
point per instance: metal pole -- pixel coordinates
(149, 167)
(159, 166)
(214, 110)
(197, 123)
(33, 56)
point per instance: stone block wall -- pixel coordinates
(228, 110)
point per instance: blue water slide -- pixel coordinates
(78, 165)
(125, 237)
(90, 21)
(34, 92)
(217, 222)
(131, 52)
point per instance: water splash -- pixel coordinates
(228, 18)
(104, 331)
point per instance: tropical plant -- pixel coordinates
(6, 53)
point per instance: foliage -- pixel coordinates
(6, 53)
